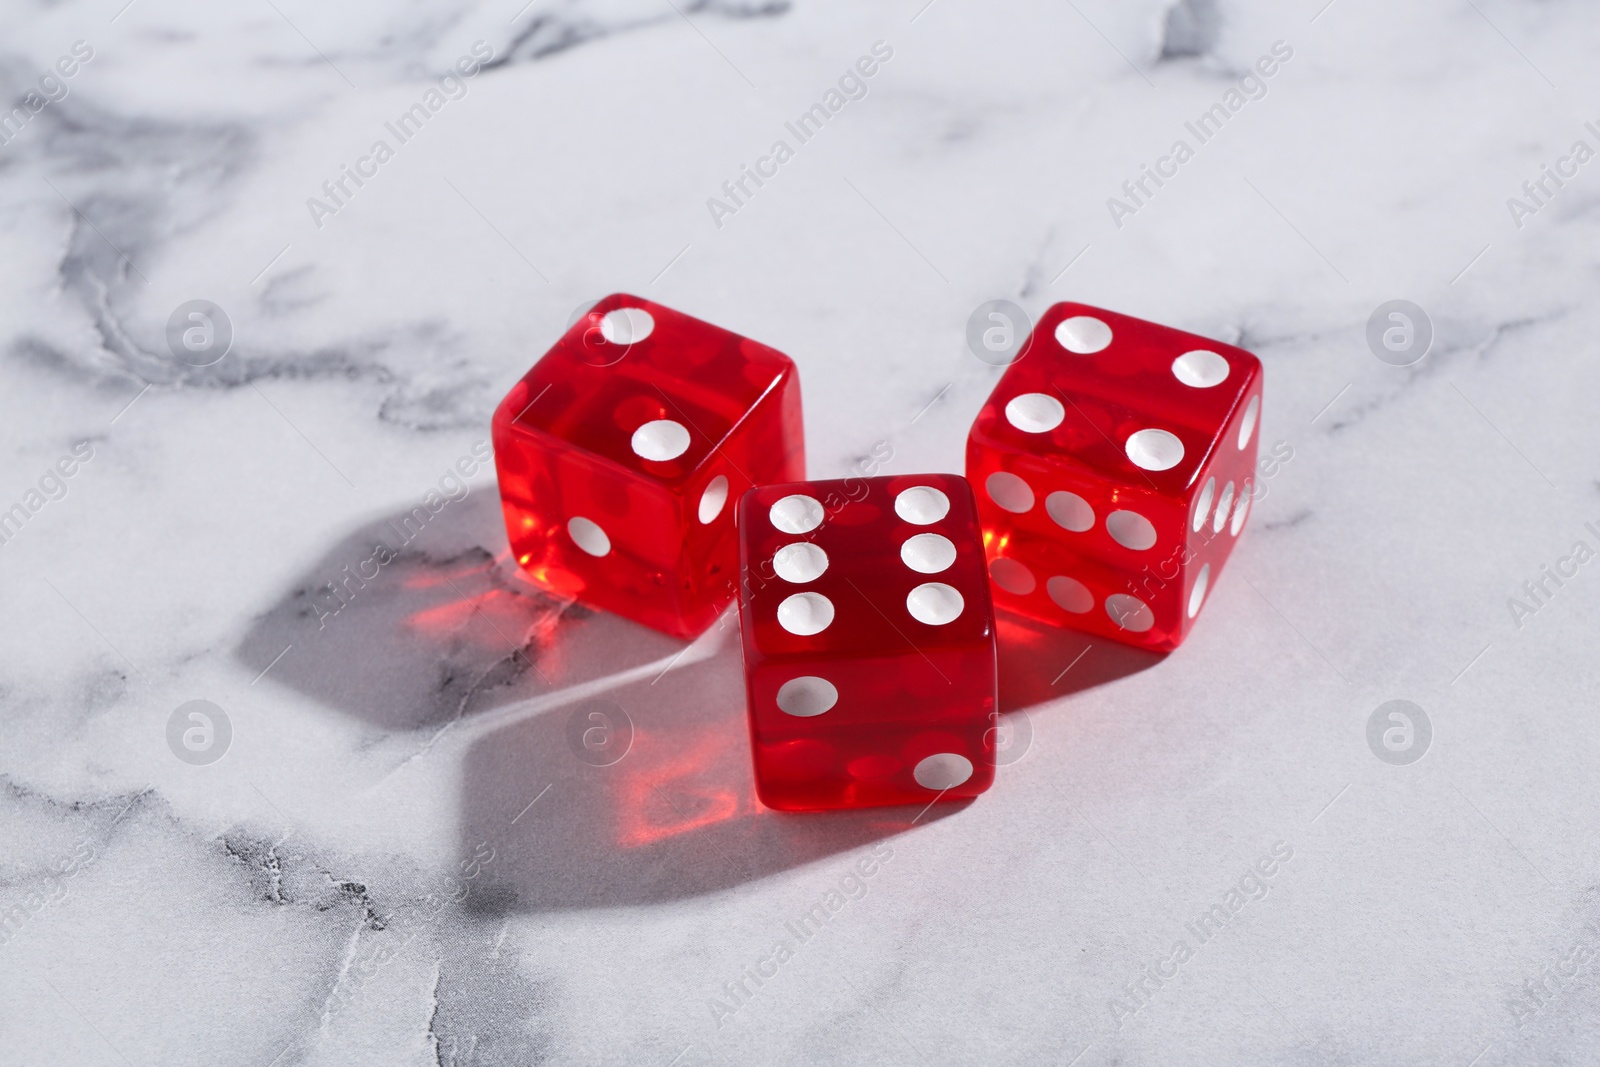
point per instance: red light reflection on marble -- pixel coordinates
(674, 785)
(467, 594)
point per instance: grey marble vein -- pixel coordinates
(395, 836)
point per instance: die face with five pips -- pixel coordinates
(622, 452)
(869, 643)
(1113, 465)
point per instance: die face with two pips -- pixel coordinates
(869, 642)
(622, 452)
(1113, 467)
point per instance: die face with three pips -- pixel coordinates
(868, 642)
(623, 451)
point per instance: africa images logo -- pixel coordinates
(452, 85)
(333, 596)
(1204, 129)
(852, 86)
(51, 90)
(1253, 885)
(852, 886)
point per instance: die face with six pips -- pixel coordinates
(869, 643)
(1113, 466)
(622, 453)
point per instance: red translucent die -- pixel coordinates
(622, 452)
(869, 650)
(1113, 468)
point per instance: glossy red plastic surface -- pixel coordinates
(878, 706)
(622, 453)
(1091, 518)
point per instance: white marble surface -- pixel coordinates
(360, 879)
